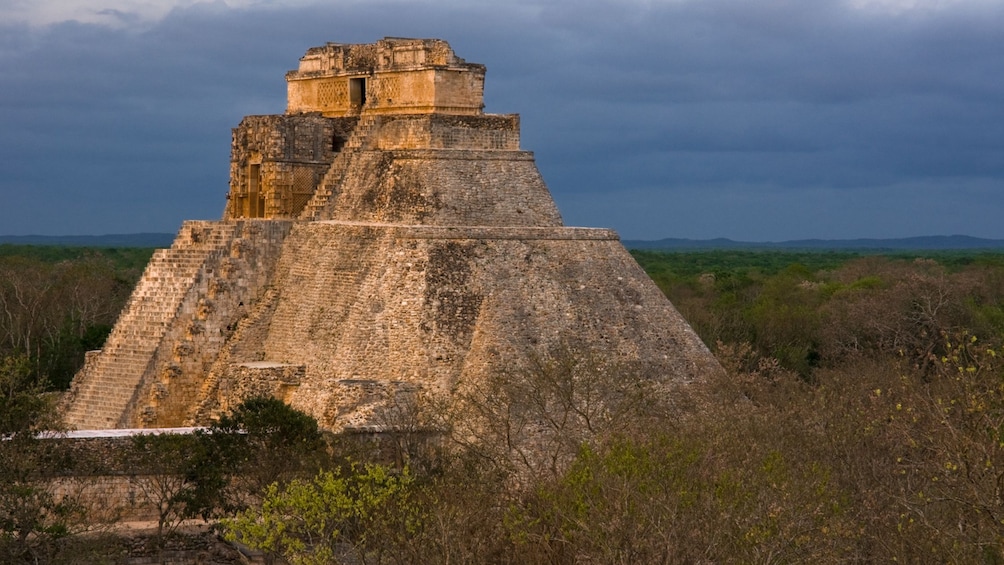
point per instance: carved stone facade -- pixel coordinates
(277, 162)
(374, 250)
(391, 76)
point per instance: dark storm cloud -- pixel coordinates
(765, 120)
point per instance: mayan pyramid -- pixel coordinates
(381, 237)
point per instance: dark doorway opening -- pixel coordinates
(256, 200)
(337, 143)
(357, 92)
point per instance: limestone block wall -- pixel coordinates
(336, 58)
(328, 95)
(99, 476)
(389, 53)
(304, 137)
(459, 91)
(426, 91)
(413, 91)
(276, 162)
(242, 381)
(108, 499)
(485, 132)
(375, 311)
(444, 187)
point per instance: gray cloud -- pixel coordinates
(766, 120)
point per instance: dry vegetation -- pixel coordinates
(860, 418)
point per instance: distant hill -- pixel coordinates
(935, 242)
(112, 240)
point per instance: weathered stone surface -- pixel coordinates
(393, 75)
(425, 254)
(277, 162)
(435, 306)
(188, 301)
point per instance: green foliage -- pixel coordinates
(785, 316)
(56, 303)
(340, 516)
(24, 409)
(261, 442)
(32, 519)
(667, 497)
(158, 466)
(610, 504)
(819, 310)
(694, 263)
(122, 258)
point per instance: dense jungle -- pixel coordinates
(859, 417)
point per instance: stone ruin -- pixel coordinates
(383, 238)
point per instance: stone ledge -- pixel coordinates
(267, 365)
(457, 154)
(373, 230)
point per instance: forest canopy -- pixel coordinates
(58, 302)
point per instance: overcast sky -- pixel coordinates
(761, 120)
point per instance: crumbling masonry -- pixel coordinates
(382, 238)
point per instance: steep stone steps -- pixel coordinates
(103, 391)
(336, 173)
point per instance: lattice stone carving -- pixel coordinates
(304, 183)
(297, 203)
(390, 88)
(326, 94)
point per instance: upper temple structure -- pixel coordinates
(382, 239)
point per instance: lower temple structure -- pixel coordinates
(383, 239)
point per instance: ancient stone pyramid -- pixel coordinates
(381, 237)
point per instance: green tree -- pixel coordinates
(349, 515)
(261, 442)
(51, 312)
(32, 518)
(158, 469)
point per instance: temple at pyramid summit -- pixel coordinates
(382, 238)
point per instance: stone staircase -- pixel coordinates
(333, 178)
(104, 391)
(229, 284)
